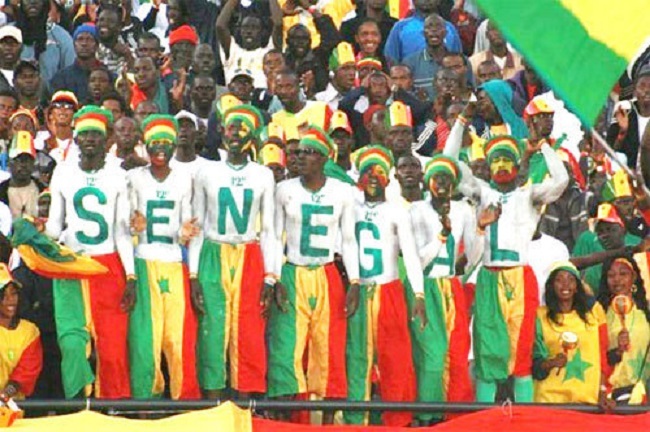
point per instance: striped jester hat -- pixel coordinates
(160, 127)
(92, 118)
(442, 164)
(372, 155)
(314, 137)
(248, 115)
(503, 145)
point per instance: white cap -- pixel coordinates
(184, 114)
(12, 32)
(243, 72)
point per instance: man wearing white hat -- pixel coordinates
(11, 44)
(185, 157)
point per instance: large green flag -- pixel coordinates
(580, 47)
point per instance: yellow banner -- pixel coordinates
(225, 418)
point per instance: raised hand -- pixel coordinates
(189, 230)
(489, 215)
(138, 222)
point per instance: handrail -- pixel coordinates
(113, 406)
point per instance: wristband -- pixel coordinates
(419, 295)
(462, 120)
(312, 9)
(603, 388)
(442, 238)
(354, 281)
(270, 280)
(193, 276)
(131, 277)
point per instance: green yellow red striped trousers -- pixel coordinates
(233, 328)
(504, 322)
(316, 314)
(379, 334)
(162, 321)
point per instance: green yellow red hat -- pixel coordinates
(271, 154)
(314, 137)
(160, 127)
(566, 266)
(6, 278)
(342, 54)
(442, 164)
(398, 114)
(224, 103)
(247, 114)
(339, 120)
(374, 155)
(22, 143)
(537, 106)
(272, 133)
(26, 112)
(370, 62)
(92, 118)
(617, 187)
(503, 145)
(607, 213)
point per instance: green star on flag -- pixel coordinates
(636, 362)
(163, 284)
(576, 368)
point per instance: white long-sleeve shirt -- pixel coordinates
(166, 205)
(507, 240)
(438, 259)
(94, 209)
(312, 222)
(227, 202)
(382, 230)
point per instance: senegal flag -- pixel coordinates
(579, 47)
(49, 259)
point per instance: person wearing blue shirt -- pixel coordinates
(407, 36)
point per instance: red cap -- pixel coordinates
(183, 33)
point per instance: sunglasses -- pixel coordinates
(306, 151)
(59, 104)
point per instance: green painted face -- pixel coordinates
(160, 151)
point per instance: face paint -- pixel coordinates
(237, 137)
(503, 169)
(160, 152)
(441, 185)
(374, 181)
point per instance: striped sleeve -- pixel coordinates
(29, 366)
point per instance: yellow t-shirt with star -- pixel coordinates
(579, 380)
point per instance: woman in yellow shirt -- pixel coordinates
(569, 358)
(622, 295)
(21, 354)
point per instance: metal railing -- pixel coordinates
(170, 407)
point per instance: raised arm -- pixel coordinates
(552, 187)
(276, 19)
(223, 26)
